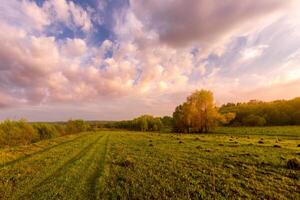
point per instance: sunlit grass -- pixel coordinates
(135, 165)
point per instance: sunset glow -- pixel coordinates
(101, 59)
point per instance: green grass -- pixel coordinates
(228, 164)
(290, 131)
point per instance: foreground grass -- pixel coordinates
(67, 170)
(132, 165)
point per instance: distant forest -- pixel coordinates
(198, 114)
(259, 113)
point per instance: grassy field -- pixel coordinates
(231, 163)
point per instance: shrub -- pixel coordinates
(254, 120)
(46, 131)
(76, 126)
(17, 132)
(61, 129)
(2, 137)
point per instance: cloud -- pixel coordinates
(74, 48)
(181, 22)
(68, 13)
(35, 14)
(24, 14)
(5, 100)
(276, 91)
(155, 56)
(39, 69)
(253, 52)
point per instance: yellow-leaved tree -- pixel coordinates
(198, 114)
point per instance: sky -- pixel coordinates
(117, 59)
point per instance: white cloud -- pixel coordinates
(35, 14)
(253, 52)
(206, 21)
(74, 47)
(68, 13)
(141, 64)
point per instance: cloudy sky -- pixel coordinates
(116, 59)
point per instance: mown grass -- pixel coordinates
(135, 165)
(290, 131)
(210, 166)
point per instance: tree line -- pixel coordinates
(22, 132)
(199, 114)
(143, 123)
(259, 113)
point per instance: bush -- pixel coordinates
(17, 132)
(61, 129)
(142, 123)
(46, 131)
(76, 126)
(21, 132)
(254, 120)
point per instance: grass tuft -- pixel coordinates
(293, 163)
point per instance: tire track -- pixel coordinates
(95, 183)
(61, 170)
(91, 170)
(23, 158)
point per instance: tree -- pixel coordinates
(167, 121)
(227, 118)
(275, 113)
(143, 124)
(76, 126)
(197, 114)
(17, 132)
(180, 123)
(254, 120)
(46, 131)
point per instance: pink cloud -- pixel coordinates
(180, 22)
(69, 13)
(142, 69)
(287, 90)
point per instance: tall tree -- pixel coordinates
(197, 114)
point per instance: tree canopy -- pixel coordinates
(258, 113)
(198, 114)
(142, 123)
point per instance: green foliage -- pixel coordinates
(180, 123)
(167, 121)
(77, 126)
(46, 131)
(16, 132)
(258, 113)
(21, 132)
(254, 120)
(142, 123)
(227, 118)
(61, 129)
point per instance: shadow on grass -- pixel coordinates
(94, 182)
(61, 170)
(10, 163)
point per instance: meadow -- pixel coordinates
(230, 163)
